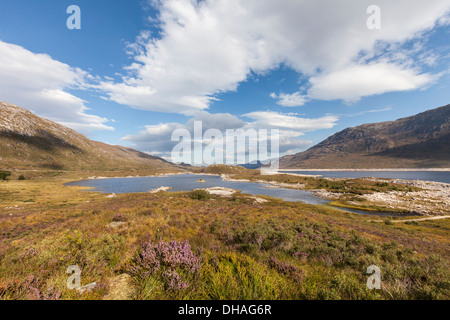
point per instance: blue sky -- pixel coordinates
(137, 70)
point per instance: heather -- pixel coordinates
(175, 245)
(173, 265)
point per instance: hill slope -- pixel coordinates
(420, 141)
(30, 142)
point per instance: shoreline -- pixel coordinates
(388, 170)
(431, 201)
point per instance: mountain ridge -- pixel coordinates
(418, 141)
(31, 142)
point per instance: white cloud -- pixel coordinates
(356, 81)
(368, 111)
(39, 83)
(208, 47)
(270, 119)
(219, 121)
(289, 100)
(291, 127)
(156, 139)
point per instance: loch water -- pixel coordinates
(189, 182)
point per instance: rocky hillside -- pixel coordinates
(30, 142)
(420, 141)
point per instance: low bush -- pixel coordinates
(173, 265)
(199, 195)
(4, 175)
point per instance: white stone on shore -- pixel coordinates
(259, 200)
(220, 191)
(160, 189)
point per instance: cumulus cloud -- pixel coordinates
(291, 127)
(208, 47)
(219, 121)
(39, 83)
(271, 119)
(156, 139)
(356, 81)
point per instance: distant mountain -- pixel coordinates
(30, 142)
(420, 141)
(252, 165)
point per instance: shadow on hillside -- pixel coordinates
(44, 141)
(437, 149)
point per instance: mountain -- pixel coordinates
(30, 142)
(420, 141)
(252, 165)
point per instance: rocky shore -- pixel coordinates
(432, 200)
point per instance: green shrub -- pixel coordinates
(234, 276)
(199, 195)
(4, 175)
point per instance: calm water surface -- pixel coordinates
(188, 182)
